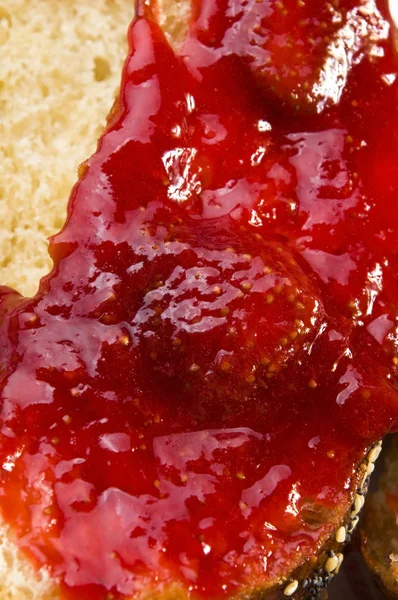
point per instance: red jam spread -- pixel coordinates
(188, 395)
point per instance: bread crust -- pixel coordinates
(379, 528)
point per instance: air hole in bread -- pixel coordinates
(102, 69)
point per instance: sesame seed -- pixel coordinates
(291, 588)
(269, 298)
(293, 335)
(363, 481)
(177, 342)
(142, 447)
(349, 139)
(291, 297)
(156, 419)
(216, 290)
(374, 453)
(125, 340)
(284, 341)
(250, 378)
(194, 368)
(264, 361)
(247, 256)
(340, 557)
(67, 419)
(74, 392)
(353, 524)
(359, 501)
(340, 535)
(224, 312)
(395, 360)
(240, 475)
(278, 289)
(312, 384)
(272, 368)
(331, 563)
(330, 454)
(300, 305)
(267, 270)
(156, 483)
(184, 478)
(55, 440)
(366, 394)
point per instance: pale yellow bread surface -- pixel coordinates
(60, 65)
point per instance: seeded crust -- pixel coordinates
(379, 528)
(73, 76)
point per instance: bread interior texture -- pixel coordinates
(59, 72)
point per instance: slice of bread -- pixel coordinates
(379, 529)
(61, 74)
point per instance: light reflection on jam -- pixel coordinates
(188, 395)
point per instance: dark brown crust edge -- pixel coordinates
(379, 527)
(309, 581)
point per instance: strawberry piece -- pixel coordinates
(302, 52)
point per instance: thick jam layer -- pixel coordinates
(187, 397)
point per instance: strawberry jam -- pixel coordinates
(185, 401)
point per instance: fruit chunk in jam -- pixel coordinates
(187, 397)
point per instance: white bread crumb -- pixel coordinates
(59, 72)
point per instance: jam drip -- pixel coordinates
(186, 400)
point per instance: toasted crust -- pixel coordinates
(379, 528)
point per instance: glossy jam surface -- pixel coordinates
(188, 395)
